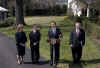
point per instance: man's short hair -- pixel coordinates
(53, 22)
(77, 22)
(34, 25)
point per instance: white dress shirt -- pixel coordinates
(54, 30)
(77, 31)
(34, 31)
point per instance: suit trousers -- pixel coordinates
(76, 53)
(54, 52)
(35, 54)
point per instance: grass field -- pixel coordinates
(91, 50)
(42, 19)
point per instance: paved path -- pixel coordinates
(8, 55)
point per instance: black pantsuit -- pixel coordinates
(20, 39)
(21, 50)
(77, 40)
(34, 44)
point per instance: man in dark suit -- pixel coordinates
(34, 44)
(77, 41)
(54, 35)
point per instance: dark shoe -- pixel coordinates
(78, 61)
(33, 62)
(37, 62)
(56, 63)
(74, 61)
(51, 63)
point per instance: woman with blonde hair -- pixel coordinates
(21, 39)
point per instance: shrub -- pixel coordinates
(92, 29)
(98, 33)
(7, 22)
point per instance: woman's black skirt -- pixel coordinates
(21, 50)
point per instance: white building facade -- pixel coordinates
(3, 13)
(75, 7)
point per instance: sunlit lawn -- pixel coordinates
(91, 51)
(42, 19)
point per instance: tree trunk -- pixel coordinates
(19, 12)
(99, 13)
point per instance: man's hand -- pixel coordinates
(22, 44)
(71, 45)
(81, 44)
(48, 40)
(34, 43)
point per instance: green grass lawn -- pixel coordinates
(91, 51)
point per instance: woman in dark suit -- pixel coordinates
(20, 42)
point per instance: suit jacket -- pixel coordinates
(34, 37)
(56, 36)
(77, 40)
(20, 37)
